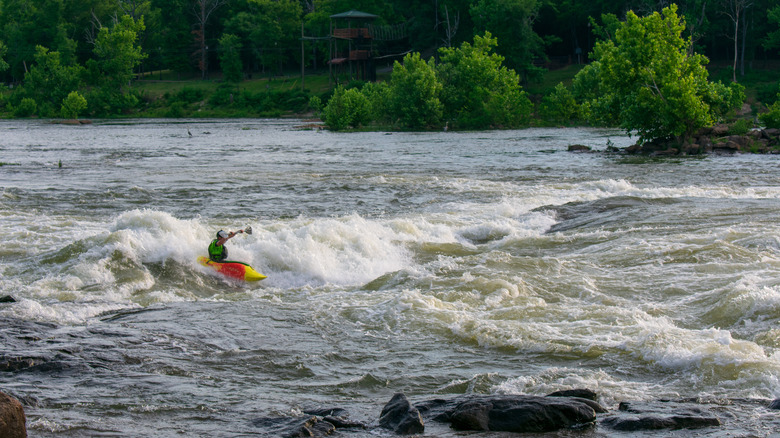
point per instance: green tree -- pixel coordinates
(48, 81)
(346, 108)
(651, 82)
(25, 24)
(414, 91)
(512, 21)
(230, 57)
(477, 90)
(772, 40)
(3, 51)
(271, 27)
(73, 105)
(559, 107)
(116, 55)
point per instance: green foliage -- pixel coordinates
(73, 105)
(379, 99)
(48, 82)
(230, 57)
(650, 82)
(771, 118)
(26, 108)
(3, 51)
(415, 93)
(740, 127)
(268, 25)
(188, 95)
(315, 103)
(772, 40)
(117, 53)
(511, 21)
(559, 107)
(477, 90)
(347, 108)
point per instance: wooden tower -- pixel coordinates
(352, 45)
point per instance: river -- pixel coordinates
(432, 264)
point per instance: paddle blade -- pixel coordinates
(248, 230)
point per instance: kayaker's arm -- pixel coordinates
(221, 241)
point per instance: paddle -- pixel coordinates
(247, 230)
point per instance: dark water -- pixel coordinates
(432, 264)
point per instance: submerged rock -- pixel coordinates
(775, 404)
(7, 299)
(513, 413)
(318, 422)
(401, 417)
(12, 419)
(637, 416)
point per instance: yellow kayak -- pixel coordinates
(232, 269)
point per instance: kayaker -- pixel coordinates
(217, 250)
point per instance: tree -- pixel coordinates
(772, 39)
(270, 27)
(651, 83)
(512, 21)
(414, 90)
(48, 81)
(26, 24)
(735, 10)
(346, 108)
(116, 55)
(477, 90)
(3, 51)
(73, 105)
(230, 57)
(559, 107)
(202, 10)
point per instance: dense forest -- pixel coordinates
(69, 57)
(187, 35)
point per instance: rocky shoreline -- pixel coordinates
(712, 140)
(572, 410)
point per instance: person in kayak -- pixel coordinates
(217, 250)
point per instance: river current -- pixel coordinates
(432, 264)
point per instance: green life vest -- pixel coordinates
(217, 253)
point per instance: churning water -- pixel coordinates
(426, 263)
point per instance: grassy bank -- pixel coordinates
(171, 95)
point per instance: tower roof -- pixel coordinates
(355, 14)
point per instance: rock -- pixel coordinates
(579, 393)
(12, 420)
(7, 299)
(720, 130)
(775, 404)
(578, 148)
(401, 417)
(343, 423)
(311, 427)
(520, 413)
(635, 416)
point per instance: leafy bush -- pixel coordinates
(477, 90)
(741, 127)
(347, 108)
(73, 105)
(771, 118)
(315, 103)
(767, 93)
(378, 95)
(188, 95)
(26, 108)
(559, 107)
(415, 93)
